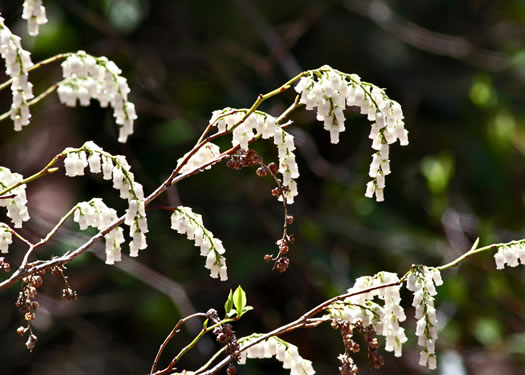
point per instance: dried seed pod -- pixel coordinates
(31, 341)
(267, 258)
(283, 249)
(289, 219)
(21, 330)
(273, 168)
(29, 316)
(282, 264)
(262, 172)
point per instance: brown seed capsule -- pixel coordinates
(276, 192)
(29, 316)
(262, 172)
(273, 168)
(267, 257)
(284, 249)
(282, 264)
(289, 219)
(37, 281)
(374, 343)
(31, 341)
(21, 330)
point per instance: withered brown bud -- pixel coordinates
(284, 249)
(21, 330)
(273, 168)
(289, 219)
(267, 257)
(29, 316)
(282, 264)
(68, 293)
(37, 281)
(262, 172)
(56, 271)
(31, 341)
(276, 192)
(291, 238)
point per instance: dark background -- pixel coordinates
(456, 67)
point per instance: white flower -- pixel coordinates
(284, 352)
(89, 78)
(422, 281)
(6, 238)
(17, 202)
(185, 221)
(35, 14)
(330, 91)
(511, 255)
(17, 62)
(205, 154)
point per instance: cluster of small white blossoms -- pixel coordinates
(285, 352)
(96, 214)
(35, 15)
(87, 77)
(510, 255)
(6, 238)
(204, 155)
(422, 281)
(185, 221)
(17, 63)
(330, 91)
(17, 202)
(117, 169)
(266, 126)
(385, 319)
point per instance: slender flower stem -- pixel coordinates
(49, 91)
(170, 336)
(45, 171)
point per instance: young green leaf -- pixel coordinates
(239, 300)
(205, 325)
(229, 304)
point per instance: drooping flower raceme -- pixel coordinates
(330, 91)
(260, 124)
(89, 77)
(362, 308)
(285, 352)
(117, 169)
(185, 221)
(16, 201)
(6, 238)
(511, 255)
(17, 63)
(97, 215)
(35, 15)
(422, 281)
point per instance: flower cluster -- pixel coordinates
(285, 352)
(260, 124)
(205, 154)
(117, 169)
(97, 215)
(16, 199)
(5, 238)
(330, 91)
(362, 308)
(422, 281)
(88, 77)
(35, 15)
(512, 255)
(17, 63)
(185, 221)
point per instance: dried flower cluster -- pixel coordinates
(260, 124)
(117, 169)
(88, 77)
(17, 64)
(285, 352)
(27, 305)
(35, 15)
(362, 309)
(422, 281)
(16, 199)
(185, 221)
(330, 91)
(511, 255)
